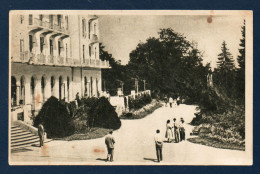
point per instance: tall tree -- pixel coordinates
(225, 59)
(241, 57)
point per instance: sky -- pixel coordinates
(120, 34)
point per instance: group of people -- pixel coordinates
(172, 102)
(175, 131)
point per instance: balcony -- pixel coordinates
(60, 60)
(93, 38)
(41, 59)
(36, 24)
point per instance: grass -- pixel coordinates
(92, 133)
(143, 112)
(215, 143)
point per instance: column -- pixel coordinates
(47, 88)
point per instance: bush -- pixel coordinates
(139, 101)
(55, 118)
(102, 114)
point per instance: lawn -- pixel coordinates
(92, 133)
(215, 143)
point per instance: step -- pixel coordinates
(23, 136)
(20, 134)
(24, 143)
(24, 139)
(17, 132)
(15, 128)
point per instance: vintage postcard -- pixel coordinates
(147, 87)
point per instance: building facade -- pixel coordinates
(52, 55)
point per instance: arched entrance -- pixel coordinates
(43, 83)
(68, 89)
(52, 85)
(33, 82)
(13, 91)
(22, 90)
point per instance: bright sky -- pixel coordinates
(120, 34)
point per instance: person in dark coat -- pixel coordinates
(176, 131)
(110, 141)
(41, 134)
(182, 130)
(158, 145)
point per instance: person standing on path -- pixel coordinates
(166, 100)
(110, 141)
(158, 145)
(170, 101)
(176, 131)
(182, 130)
(41, 134)
(168, 133)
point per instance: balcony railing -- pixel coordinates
(60, 60)
(41, 59)
(93, 38)
(48, 25)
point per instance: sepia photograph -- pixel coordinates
(139, 87)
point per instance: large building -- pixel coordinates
(52, 55)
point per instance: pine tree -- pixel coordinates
(241, 57)
(225, 59)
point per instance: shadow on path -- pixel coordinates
(150, 159)
(100, 159)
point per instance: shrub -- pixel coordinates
(55, 118)
(139, 101)
(102, 114)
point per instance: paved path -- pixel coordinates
(134, 145)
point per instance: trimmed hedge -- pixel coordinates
(55, 118)
(139, 101)
(102, 114)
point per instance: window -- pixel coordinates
(83, 27)
(60, 88)
(51, 21)
(59, 20)
(66, 50)
(83, 53)
(41, 18)
(89, 51)
(59, 47)
(21, 45)
(30, 43)
(67, 22)
(41, 43)
(89, 27)
(86, 85)
(21, 18)
(95, 28)
(95, 52)
(91, 86)
(51, 47)
(30, 19)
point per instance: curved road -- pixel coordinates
(134, 145)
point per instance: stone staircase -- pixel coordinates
(21, 138)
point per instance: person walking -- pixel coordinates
(110, 141)
(41, 134)
(182, 130)
(170, 101)
(176, 131)
(168, 133)
(166, 100)
(158, 145)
